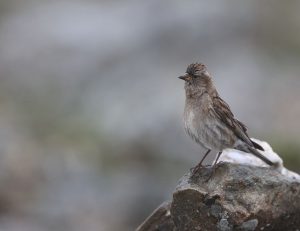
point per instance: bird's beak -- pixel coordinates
(185, 77)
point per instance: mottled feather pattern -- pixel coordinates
(224, 113)
(195, 69)
(202, 127)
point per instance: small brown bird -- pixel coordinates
(208, 119)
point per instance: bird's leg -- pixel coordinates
(214, 166)
(196, 168)
(216, 161)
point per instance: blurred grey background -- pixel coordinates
(91, 134)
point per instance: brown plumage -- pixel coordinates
(208, 119)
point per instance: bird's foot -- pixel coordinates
(213, 170)
(205, 175)
(209, 172)
(196, 169)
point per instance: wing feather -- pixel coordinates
(223, 112)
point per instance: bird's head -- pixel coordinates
(196, 78)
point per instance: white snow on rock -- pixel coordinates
(236, 156)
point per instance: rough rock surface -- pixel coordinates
(237, 197)
(160, 219)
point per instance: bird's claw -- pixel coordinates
(195, 169)
(213, 170)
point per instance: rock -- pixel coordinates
(237, 197)
(159, 220)
(248, 225)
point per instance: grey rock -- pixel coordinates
(249, 225)
(159, 220)
(224, 225)
(237, 197)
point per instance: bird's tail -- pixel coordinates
(256, 145)
(260, 156)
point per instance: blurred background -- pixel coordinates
(91, 134)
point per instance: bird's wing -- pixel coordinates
(223, 112)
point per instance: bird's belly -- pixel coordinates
(209, 133)
(191, 130)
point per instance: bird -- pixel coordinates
(208, 119)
